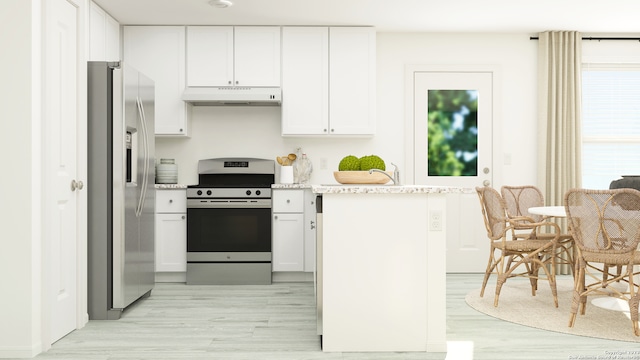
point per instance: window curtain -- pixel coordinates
(559, 112)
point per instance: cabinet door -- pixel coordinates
(288, 242)
(171, 242)
(209, 55)
(352, 79)
(305, 80)
(97, 35)
(257, 55)
(159, 53)
(104, 35)
(112, 39)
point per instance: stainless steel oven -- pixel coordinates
(229, 222)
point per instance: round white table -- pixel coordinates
(555, 211)
(605, 302)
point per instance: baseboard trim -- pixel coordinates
(279, 276)
(24, 352)
(171, 277)
(292, 276)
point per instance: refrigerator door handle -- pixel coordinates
(146, 154)
(145, 147)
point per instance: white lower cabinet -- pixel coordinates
(288, 244)
(293, 230)
(171, 231)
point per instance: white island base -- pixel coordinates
(383, 271)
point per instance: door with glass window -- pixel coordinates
(453, 116)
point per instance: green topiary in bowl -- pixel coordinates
(349, 163)
(369, 162)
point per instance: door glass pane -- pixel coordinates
(452, 132)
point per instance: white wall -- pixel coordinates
(19, 190)
(611, 51)
(255, 132)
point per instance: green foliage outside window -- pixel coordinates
(452, 134)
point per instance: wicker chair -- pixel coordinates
(606, 228)
(508, 257)
(518, 200)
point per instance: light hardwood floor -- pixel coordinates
(278, 322)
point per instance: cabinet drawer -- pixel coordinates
(288, 201)
(171, 201)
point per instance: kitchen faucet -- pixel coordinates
(396, 174)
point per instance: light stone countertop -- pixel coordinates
(376, 189)
(170, 186)
(291, 186)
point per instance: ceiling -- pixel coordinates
(587, 16)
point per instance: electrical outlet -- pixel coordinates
(435, 220)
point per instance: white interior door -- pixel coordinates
(60, 159)
(452, 129)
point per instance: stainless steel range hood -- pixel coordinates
(233, 95)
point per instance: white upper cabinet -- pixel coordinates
(352, 76)
(104, 35)
(305, 80)
(257, 55)
(159, 52)
(233, 56)
(209, 55)
(328, 80)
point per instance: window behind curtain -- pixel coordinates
(611, 123)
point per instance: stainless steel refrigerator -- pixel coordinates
(120, 186)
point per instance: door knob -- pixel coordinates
(76, 185)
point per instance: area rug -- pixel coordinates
(516, 305)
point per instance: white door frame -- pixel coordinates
(456, 238)
(81, 260)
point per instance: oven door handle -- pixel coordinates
(228, 204)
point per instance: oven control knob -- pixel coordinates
(199, 192)
(248, 192)
(209, 192)
(258, 192)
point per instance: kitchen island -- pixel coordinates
(383, 267)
